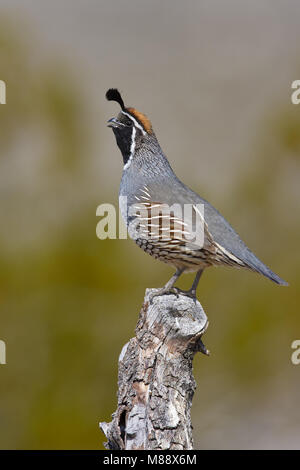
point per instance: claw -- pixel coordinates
(188, 293)
(163, 291)
(175, 291)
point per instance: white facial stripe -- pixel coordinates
(132, 148)
(135, 122)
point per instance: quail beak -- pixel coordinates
(114, 123)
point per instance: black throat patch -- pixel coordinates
(124, 141)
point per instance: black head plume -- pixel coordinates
(114, 95)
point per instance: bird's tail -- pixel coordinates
(256, 265)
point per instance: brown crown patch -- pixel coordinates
(142, 119)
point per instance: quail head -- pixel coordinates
(166, 218)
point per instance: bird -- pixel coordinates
(189, 241)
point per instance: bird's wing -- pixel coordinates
(157, 222)
(163, 220)
(226, 237)
(216, 227)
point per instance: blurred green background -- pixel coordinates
(215, 78)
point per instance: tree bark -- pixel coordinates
(156, 383)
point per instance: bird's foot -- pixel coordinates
(173, 290)
(188, 293)
(164, 291)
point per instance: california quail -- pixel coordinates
(149, 187)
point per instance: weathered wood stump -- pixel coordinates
(156, 383)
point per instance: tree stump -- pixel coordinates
(155, 381)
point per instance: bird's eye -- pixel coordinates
(129, 123)
(126, 121)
